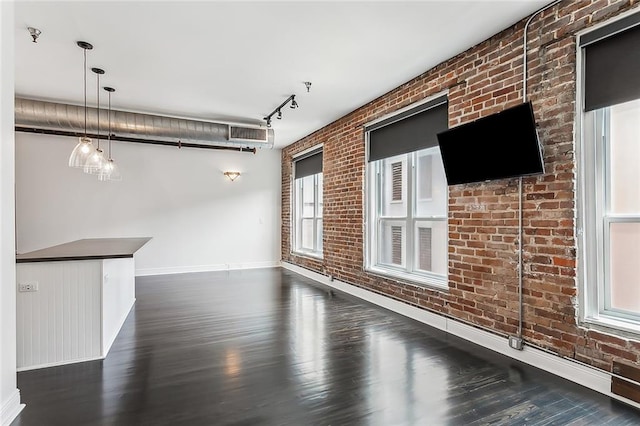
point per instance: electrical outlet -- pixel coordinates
(24, 287)
(516, 342)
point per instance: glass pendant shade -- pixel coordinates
(95, 162)
(110, 171)
(81, 152)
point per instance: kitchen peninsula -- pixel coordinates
(73, 299)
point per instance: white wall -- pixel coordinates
(198, 219)
(9, 394)
(118, 297)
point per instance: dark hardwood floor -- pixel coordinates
(268, 347)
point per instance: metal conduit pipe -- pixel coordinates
(520, 189)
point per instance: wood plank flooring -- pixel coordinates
(269, 347)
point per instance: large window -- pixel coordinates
(610, 176)
(407, 196)
(307, 204)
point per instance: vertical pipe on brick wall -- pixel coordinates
(520, 307)
(524, 47)
(520, 189)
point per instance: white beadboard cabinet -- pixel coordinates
(81, 302)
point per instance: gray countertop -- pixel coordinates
(94, 248)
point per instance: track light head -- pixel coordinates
(279, 116)
(35, 33)
(294, 104)
(269, 122)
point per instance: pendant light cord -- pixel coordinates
(109, 118)
(98, 110)
(85, 92)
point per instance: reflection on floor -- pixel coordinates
(268, 347)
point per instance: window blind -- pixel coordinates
(612, 63)
(408, 131)
(308, 165)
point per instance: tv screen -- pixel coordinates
(499, 146)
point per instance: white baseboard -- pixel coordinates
(10, 408)
(582, 374)
(57, 364)
(205, 268)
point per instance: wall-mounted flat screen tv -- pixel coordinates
(502, 145)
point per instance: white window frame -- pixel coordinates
(593, 219)
(296, 213)
(409, 270)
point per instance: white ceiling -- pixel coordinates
(237, 61)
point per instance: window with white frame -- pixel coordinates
(307, 204)
(610, 175)
(407, 196)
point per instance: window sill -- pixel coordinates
(416, 280)
(307, 254)
(615, 326)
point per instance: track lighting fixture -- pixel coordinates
(278, 110)
(35, 33)
(307, 84)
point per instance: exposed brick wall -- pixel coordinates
(483, 219)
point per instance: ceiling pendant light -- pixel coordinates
(110, 171)
(84, 148)
(95, 162)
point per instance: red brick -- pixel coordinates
(482, 244)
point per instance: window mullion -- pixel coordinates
(604, 137)
(600, 142)
(315, 214)
(378, 212)
(298, 218)
(411, 196)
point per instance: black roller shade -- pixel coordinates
(308, 165)
(409, 131)
(612, 67)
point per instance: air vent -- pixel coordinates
(247, 134)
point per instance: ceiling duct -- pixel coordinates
(68, 120)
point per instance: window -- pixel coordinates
(407, 196)
(610, 193)
(307, 201)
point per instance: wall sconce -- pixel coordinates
(232, 175)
